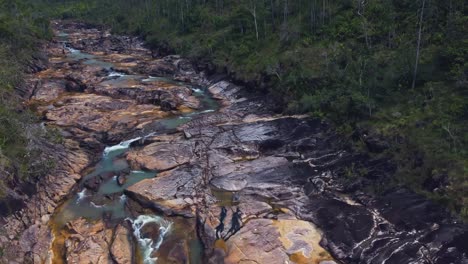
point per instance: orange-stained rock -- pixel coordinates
(121, 249)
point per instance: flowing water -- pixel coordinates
(107, 200)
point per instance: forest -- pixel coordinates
(397, 69)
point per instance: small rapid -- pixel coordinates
(119, 148)
(149, 244)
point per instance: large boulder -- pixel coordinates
(88, 242)
(276, 242)
(161, 156)
(172, 192)
(121, 249)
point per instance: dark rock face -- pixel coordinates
(297, 163)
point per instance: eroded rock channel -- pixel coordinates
(153, 150)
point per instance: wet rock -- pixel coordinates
(121, 179)
(150, 230)
(93, 183)
(121, 249)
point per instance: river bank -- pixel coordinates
(152, 149)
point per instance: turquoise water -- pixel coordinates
(111, 186)
(94, 206)
(208, 105)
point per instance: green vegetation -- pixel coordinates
(397, 68)
(21, 29)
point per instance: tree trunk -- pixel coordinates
(254, 14)
(418, 47)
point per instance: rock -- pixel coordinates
(167, 191)
(223, 90)
(301, 241)
(45, 219)
(161, 156)
(354, 225)
(121, 249)
(102, 115)
(257, 242)
(121, 179)
(157, 68)
(168, 102)
(49, 89)
(74, 85)
(168, 96)
(88, 242)
(93, 183)
(269, 241)
(180, 253)
(263, 173)
(150, 230)
(37, 239)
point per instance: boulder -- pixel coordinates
(167, 191)
(88, 242)
(121, 249)
(161, 156)
(276, 242)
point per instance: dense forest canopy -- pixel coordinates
(397, 68)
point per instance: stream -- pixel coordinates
(109, 202)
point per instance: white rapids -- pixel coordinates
(148, 245)
(81, 195)
(114, 74)
(121, 146)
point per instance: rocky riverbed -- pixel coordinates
(152, 149)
